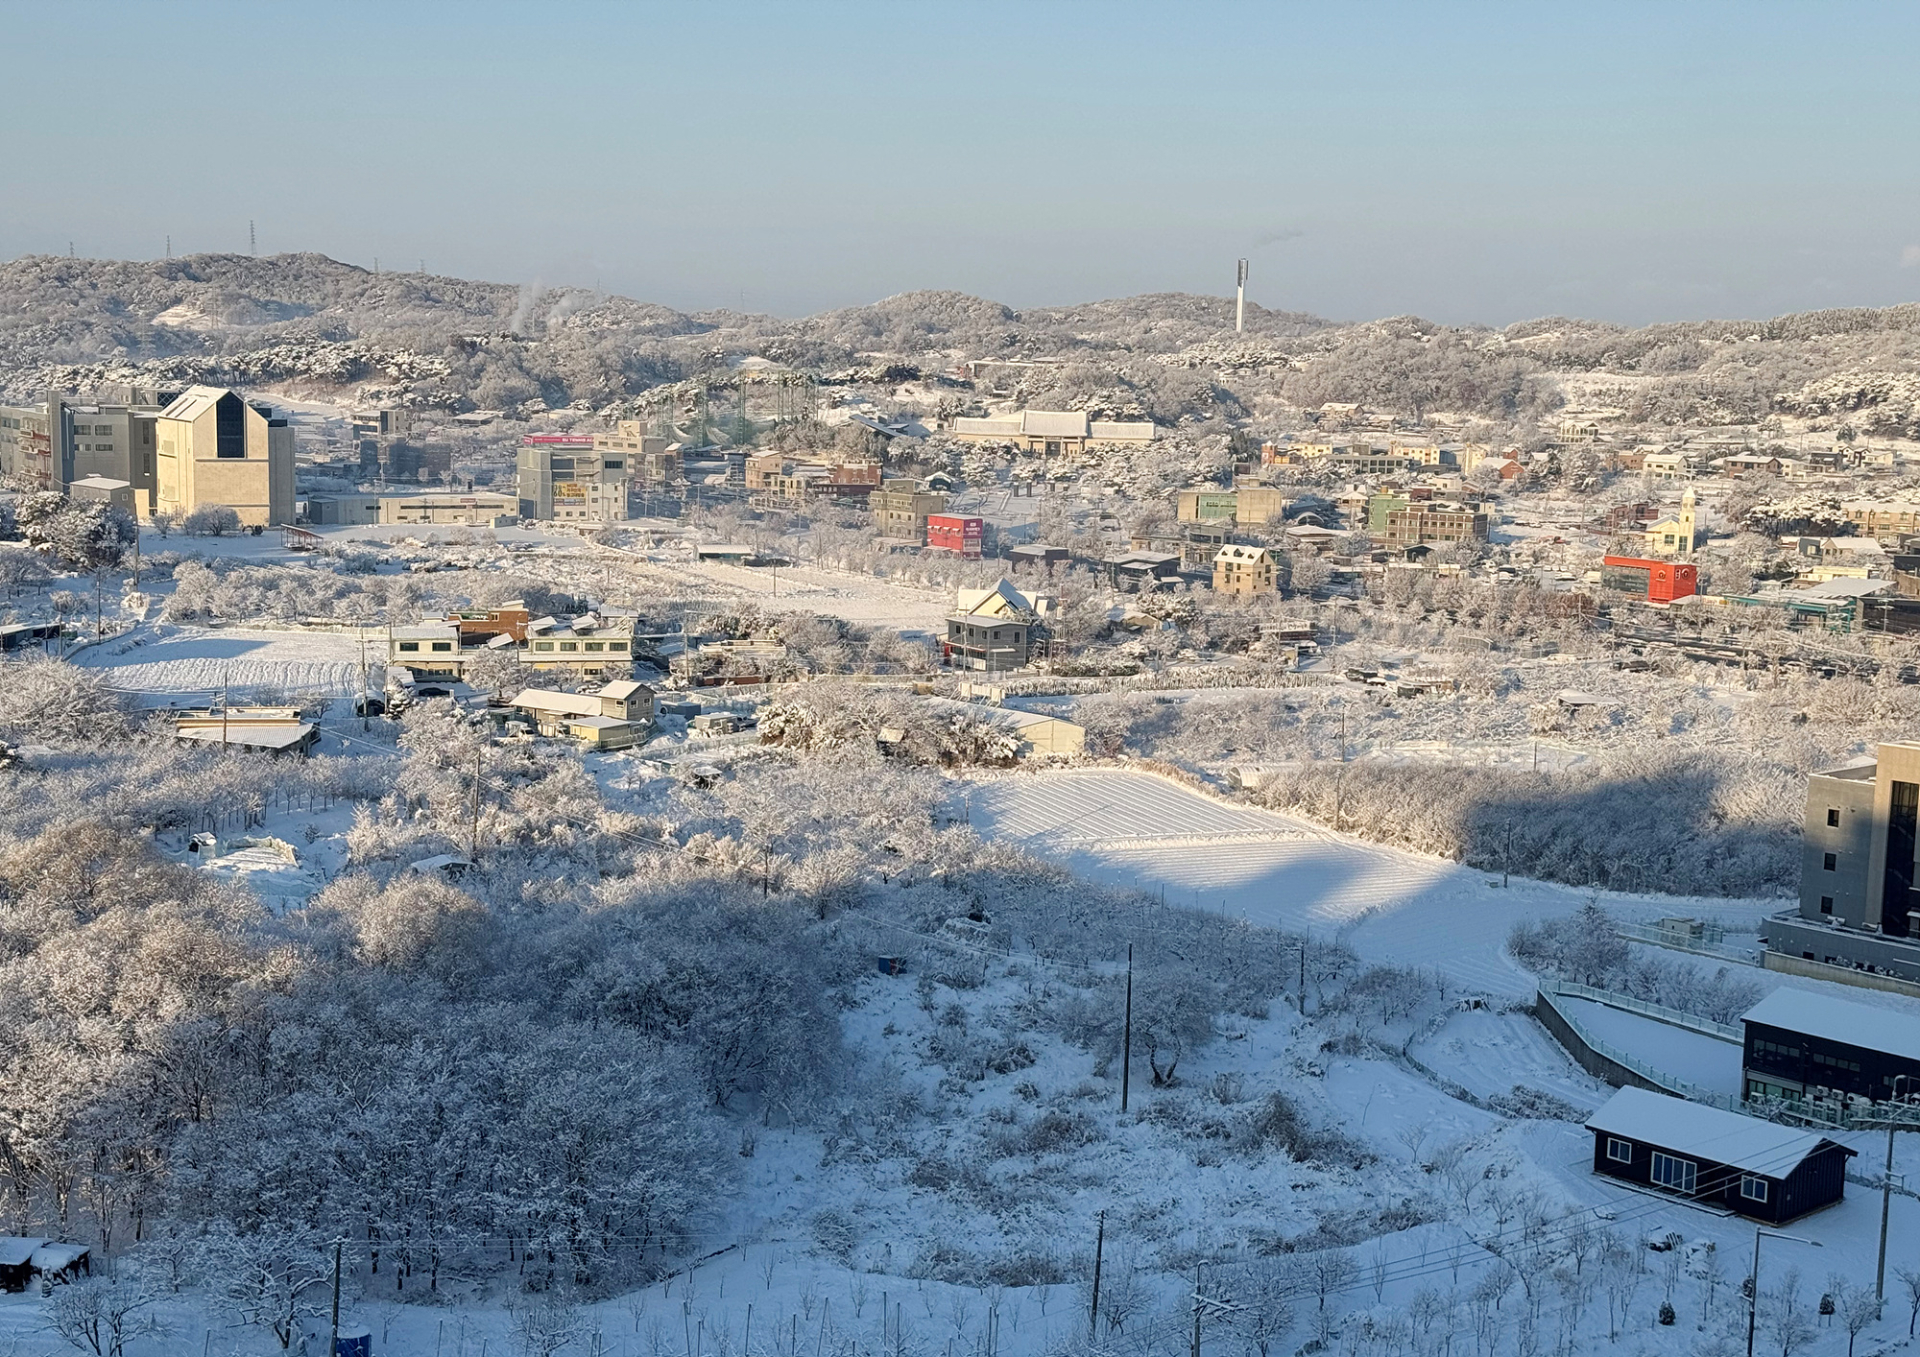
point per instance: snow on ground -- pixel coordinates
(194, 662)
(1389, 905)
(1703, 1061)
(865, 599)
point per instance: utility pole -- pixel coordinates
(1126, 1045)
(253, 248)
(333, 1342)
(1507, 868)
(1886, 1209)
(1099, 1247)
(1303, 975)
(223, 716)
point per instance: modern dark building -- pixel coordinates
(1806, 1046)
(1755, 1168)
(1858, 905)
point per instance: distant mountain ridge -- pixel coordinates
(306, 320)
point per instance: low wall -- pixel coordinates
(1788, 964)
(1588, 1059)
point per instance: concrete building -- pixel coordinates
(103, 490)
(216, 449)
(480, 510)
(1860, 859)
(648, 459)
(901, 508)
(1205, 505)
(572, 481)
(429, 649)
(1418, 524)
(1887, 520)
(994, 629)
(1053, 432)
(589, 644)
(1240, 571)
(51, 445)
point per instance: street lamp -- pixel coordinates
(1753, 1293)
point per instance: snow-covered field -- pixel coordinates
(1390, 906)
(194, 662)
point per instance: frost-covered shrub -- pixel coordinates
(211, 520)
(835, 1235)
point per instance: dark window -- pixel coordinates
(1826, 904)
(229, 427)
(1619, 1151)
(1897, 885)
(1752, 1188)
(1671, 1172)
(1833, 815)
(1829, 861)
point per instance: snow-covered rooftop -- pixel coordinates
(1891, 1031)
(1694, 1128)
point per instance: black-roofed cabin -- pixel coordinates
(1769, 1173)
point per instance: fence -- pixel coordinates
(1595, 1055)
(1658, 1012)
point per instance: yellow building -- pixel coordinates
(1242, 570)
(215, 449)
(1677, 534)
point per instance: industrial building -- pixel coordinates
(1052, 432)
(649, 460)
(1653, 581)
(1804, 1046)
(480, 510)
(568, 479)
(1741, 1164)
(216, 449)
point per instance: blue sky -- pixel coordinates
(1466, 162)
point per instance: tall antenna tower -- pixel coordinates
(253, 243)
(1240, 299)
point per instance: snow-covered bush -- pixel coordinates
(211, 520)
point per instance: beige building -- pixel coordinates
(619, 716)
(481, 510)
(1417, 524)
(900, 509)
(648, 459)
(1051, 432)
(215, 449)
(1239, 571)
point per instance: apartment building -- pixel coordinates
(1419, 524)
(56, 442)
(901, 508)
(216, 449)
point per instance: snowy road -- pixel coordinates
(1390, 906)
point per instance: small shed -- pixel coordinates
(16, 1261)
(57, 1262)
(1754, 1168)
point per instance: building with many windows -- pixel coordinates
(1860, 858)
(1805, 1046)
(571, 480)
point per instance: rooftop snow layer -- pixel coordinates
(1694, 1128)
(1889, 1031)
